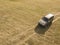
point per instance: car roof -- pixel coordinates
(49, 16)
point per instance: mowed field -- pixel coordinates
(19, 22)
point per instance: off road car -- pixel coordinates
(46, 20)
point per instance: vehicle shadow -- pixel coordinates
(41, 30)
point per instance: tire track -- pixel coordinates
(23, 41)
(56, 19)
(58, 13)
(33, 26)
(35, 33)
(18, 38)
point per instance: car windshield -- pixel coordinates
(45, 19)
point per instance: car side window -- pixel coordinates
(45, 19)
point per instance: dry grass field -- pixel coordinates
(19, 19)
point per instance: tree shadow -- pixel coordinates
(41, 30)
